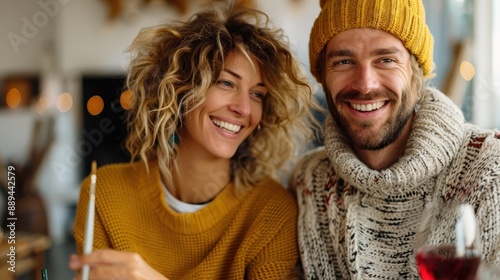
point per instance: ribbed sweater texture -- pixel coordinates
(359, 223)
(249, 236)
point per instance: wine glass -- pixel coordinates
(458, 260)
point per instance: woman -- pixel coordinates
(220, 106)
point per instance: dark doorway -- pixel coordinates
(104, 133)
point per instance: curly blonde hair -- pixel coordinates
(172, 67)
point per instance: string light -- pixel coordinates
(95, 105)
(13, 98)
(467, 70)
(127, 99)
(64, 102)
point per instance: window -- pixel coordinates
(496, 60)
(486, 59)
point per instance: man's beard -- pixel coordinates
(388, 133)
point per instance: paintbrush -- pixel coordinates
(45, 276)
(89, 226)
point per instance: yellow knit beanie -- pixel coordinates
(404, 19)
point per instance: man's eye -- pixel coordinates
(387, 60)
(342, 62)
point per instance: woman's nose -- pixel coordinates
(240, 104)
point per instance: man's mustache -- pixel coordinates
(373, 95)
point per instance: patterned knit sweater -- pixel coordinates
(359, 223)
(251, 236)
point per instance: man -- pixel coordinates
(397, 152)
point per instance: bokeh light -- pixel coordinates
(127, 99)
(43, 104)
(64, 102)
(13, 98)
(467, 70)
(95, 105)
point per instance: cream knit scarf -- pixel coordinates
(392, 198)
(437, 133)
(359, 223)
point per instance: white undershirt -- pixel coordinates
(181, 206)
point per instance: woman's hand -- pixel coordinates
(114, 265)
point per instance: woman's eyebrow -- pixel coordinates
(232, 73)
(239, 77)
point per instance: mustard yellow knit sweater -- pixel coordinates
(249, 237)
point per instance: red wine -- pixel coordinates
(440, 263)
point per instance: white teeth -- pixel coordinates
(367, 107)
(227, 126)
